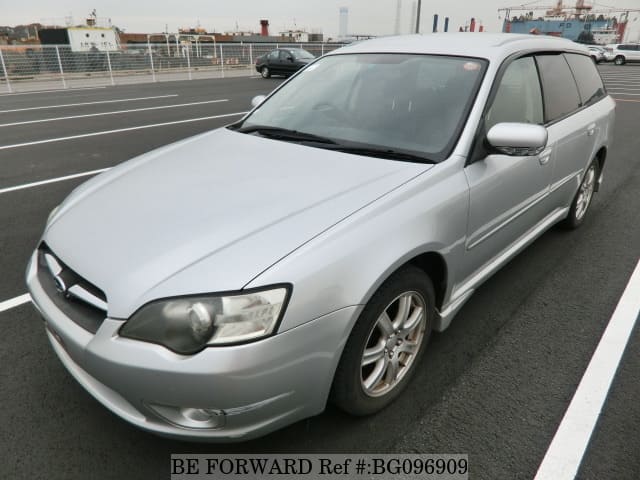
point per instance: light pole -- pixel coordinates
(418, 16)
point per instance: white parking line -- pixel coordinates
(14, 302)
(626, 100)
(51, 180)
(621, 84)
(117, 112)
(623, 93)
(621, 79)
(567, 448)
(88, 103)
(118, 130)
(59, 90)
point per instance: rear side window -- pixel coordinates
(558, 86)
(589, 82)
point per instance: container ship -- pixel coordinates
(580, 23)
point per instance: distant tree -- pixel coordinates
(586, 37)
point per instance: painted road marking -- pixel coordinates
(88, 103)
(51, 180)
(118, 130)
(616, 84)
(58, 90)
(567, 448)
(619, 75)
(14, 302)
(117, 112)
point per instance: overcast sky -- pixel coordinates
(376, 17)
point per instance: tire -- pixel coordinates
(582, 200)
(619, 60)
(394, 355)
(265, 72)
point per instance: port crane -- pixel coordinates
(577, 11)
(580, 8)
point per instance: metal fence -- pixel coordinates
(35, 67)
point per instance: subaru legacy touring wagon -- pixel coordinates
(232, 283)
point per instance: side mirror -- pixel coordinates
(257, 100)
(518, 139)
(290, 58)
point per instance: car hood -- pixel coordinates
(209, 213)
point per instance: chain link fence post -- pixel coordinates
(250, 59)
(188, 50)
(64, 82)
(4, 69)
(222, 59)
(110, 70)
(321, 49)
(153, 70)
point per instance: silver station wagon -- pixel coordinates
(232, 283)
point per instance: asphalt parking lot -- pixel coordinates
(495, 385)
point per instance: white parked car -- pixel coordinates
(622, 53)
(597, 53)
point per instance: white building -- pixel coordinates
(344, 20)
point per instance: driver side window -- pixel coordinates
(519, 97)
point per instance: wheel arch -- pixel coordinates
(601, 157)
(431, 262)
(434, 266)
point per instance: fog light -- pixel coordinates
(203, 415)
(189, 417)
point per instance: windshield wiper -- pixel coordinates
(371, 151)
(384, 153)
(285, 134)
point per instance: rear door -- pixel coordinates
(273, 61)
(572, 128)
(288, 62)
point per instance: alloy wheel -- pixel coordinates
(393, 343)
(586, 192)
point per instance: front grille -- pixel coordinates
(80, 300)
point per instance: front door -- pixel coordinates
(507, 193)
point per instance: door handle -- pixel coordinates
(544, 157)
(591, 129)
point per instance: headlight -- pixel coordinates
(186, 325)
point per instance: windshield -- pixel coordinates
(300, 53)
(400, 102)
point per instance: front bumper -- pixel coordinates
(260, 387)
